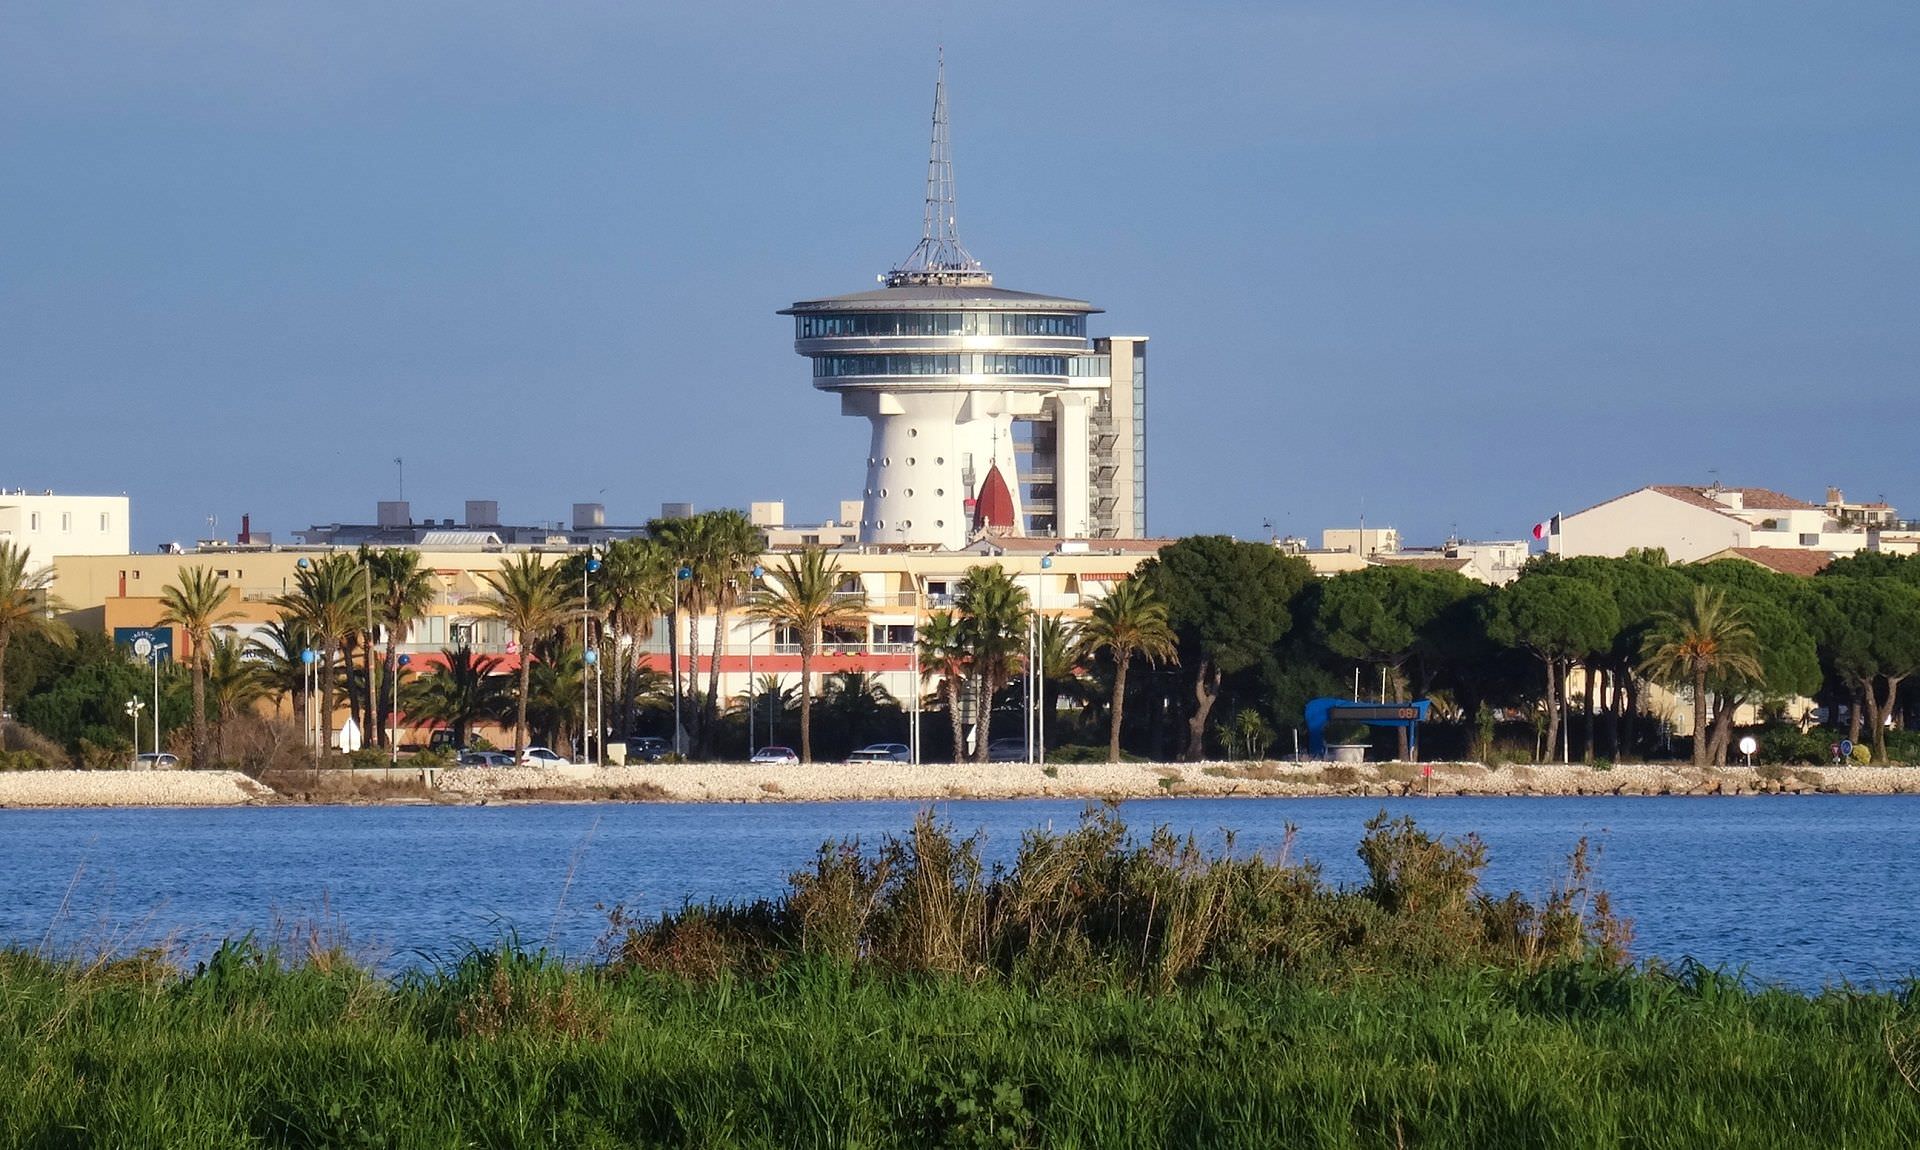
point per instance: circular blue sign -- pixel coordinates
(307, 656)
(1846, 748)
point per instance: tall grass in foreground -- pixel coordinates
(1100, 993)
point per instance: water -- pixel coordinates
(1806, 891)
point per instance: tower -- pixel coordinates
(964, 382)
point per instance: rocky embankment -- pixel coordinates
(839, 782)
(131, 789)
(825, 782)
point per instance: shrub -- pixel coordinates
(1862, 755)
(1903, 747)
(23, 761)
(1789, 745)
(1076, 753)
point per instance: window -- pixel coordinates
(33, 521)
(1071, 325)
(103, 522)
(834, 366)
(66, 521)
(1809, 540)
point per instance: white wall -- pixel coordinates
(48, 525)
(1646, 518)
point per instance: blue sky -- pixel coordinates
(1456, 265)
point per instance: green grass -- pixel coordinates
(507, 1050)
(1099, 993)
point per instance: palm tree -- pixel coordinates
(1129, 620)
(26, 608)
(196, 603)
(633, 587)
(276, 650)
(1707, 638)
(943, 657)
(684, 543)
(993, 630)
(733, 546)
(234, 681)
(803, 596)
(530, 598)
(402, 592)
(857, 701)
(328, 603)
(463, 690)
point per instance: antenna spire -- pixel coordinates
(939, 258)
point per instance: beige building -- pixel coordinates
(1691, 522)
(47, 525)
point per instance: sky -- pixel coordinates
(1450, 267)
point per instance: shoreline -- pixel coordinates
(838, 782)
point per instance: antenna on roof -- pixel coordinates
(939, 258)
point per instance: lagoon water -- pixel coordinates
(1807, 891)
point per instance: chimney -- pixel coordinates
(246, 529)
(394, 513)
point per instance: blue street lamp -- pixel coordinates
(673, 654)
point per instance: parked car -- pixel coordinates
(882, 753)
(541, 757)
(441, 739)
(1012, 750)
(783, 755)
(648, 749)
(486, 759)
(149, 761)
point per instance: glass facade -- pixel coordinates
(840, 365)
(940, 323)
(1091, 367)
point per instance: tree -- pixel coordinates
(26, 608)
(196, 603)
(1229, 604)
(276, 651)
(633, 587)
(1558, 620)
(1705, 640)
(944, 657)
(733, 546)
(234, 683)
(402, 591)
(1127, 621)
(327, 604)
(858, 705)
(1869, 632)
(531, 599)
(463, 690)
(1775, 607)
(993, 630)
(802, 595)
(1383, 615)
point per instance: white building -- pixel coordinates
(1691, 522)
(992, 410)
(46, 525)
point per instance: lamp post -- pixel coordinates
(1040, 658)
(593, 663)
(153, 655)
(758, 571)
(133, 709)
(587, 652)
(913, 744)
(673, 655)
(393, 711)
(311, 674)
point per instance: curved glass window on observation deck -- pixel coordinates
(838, 365)
(940, 323)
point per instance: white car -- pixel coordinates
(148, 761)
(781, 755)
(541, 757)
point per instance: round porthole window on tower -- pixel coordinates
(909, 493)
(911, 461)
(938, 460)
(883, 493)
(887, 462)
(913, 433)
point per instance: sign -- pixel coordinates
(1846, 748)
(1748, 745)
(140, 642)
(1365, 714)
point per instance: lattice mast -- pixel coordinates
(939, 258)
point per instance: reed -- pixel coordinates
(1100, 992)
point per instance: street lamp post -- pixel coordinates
(1040, 657)
(758, 571)
(914, 647)
(153, 655)
(673, 655)
(587, 653)
(309, 680)
(593, 663)
(133, 709)
(393, 710)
